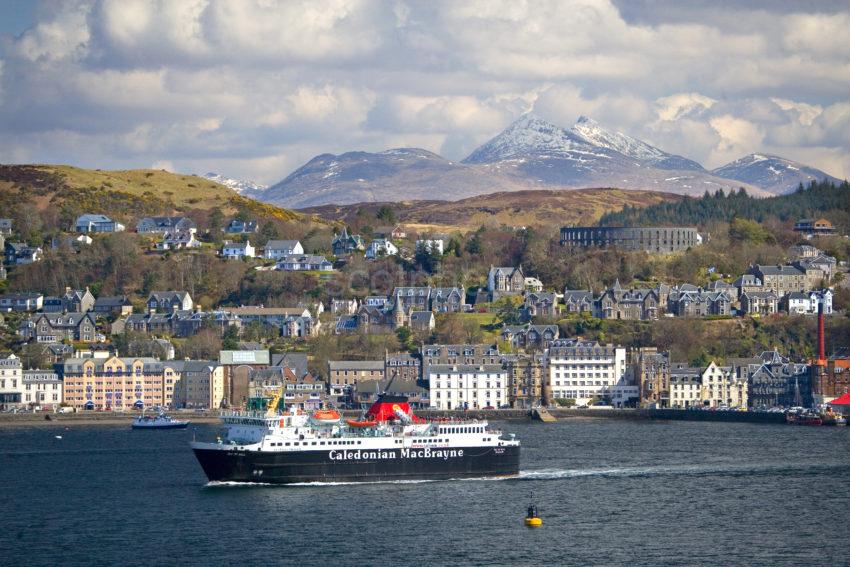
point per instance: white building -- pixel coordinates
(42, 388)
(685, 387)
(533, 284)
(277, 249)
(381, 247)
(721, 388)
(11, 382)
(237, 250)
(462, 386)
(432, 245)
(584, 370)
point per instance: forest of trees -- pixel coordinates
(817, 199)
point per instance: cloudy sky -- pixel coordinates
(254, 88)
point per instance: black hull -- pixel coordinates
(328, 466)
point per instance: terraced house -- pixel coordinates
(117, 383)
(780, 279)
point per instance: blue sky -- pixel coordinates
(253, 89)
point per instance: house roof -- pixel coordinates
(86, 218)
(270, 311)
(244, 357)
(779, 270)
(281, 244)
(356, 365)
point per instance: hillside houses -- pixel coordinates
(642, 304)
(21, 253)
(97, 223)
(73, 300)
(344, 244)
(237, 250)
(242, 226)
(503, 281)
(163, 225)
(166, 301)
(278, 249)
(58, 327)
(698, 303)
(178, 240)
(304, 262)
(381, 247)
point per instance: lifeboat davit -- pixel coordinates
(326, 417)
(363, 423)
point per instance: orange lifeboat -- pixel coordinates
(326, 416)
(364, 423)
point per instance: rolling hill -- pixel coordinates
(123, 194)
(540, 208)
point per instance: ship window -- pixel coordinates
(287, 444)
(313, 443)
(296, 443)
(358, 442)
(321, 442)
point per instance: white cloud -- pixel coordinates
(258, 87)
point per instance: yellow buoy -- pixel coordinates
(532, 520)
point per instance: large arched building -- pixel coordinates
(648, 239)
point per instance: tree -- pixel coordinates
(203, 345)
(507, 312)
(231, 338)
(473, 245)
(386, 214)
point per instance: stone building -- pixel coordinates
(526, 378)
(647, 239)
(641, 304)
(652, 372)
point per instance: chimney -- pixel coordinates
(821, 337)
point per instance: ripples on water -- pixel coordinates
(610, 493)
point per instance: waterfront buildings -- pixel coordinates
(526, 377)
(585, 371)
(467, 386)
(238, 365)
(652, 373)
(113, 383)
(42, 389)
(343, 375)
(11, 382)
(201, 384)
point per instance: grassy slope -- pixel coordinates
(129, 193)
(520, 208)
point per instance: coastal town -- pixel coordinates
(78, 352)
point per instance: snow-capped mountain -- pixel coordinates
(591, 131)
(588, 155)
(392, 175)
(238, 185)
(774, 174)
(531, 153)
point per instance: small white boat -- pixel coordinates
(161, 421)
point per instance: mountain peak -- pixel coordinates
(527, 135)
(773, 173)
(586, 120)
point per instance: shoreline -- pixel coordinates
(89, 418)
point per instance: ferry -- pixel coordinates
(161, 421)
(388, 443)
